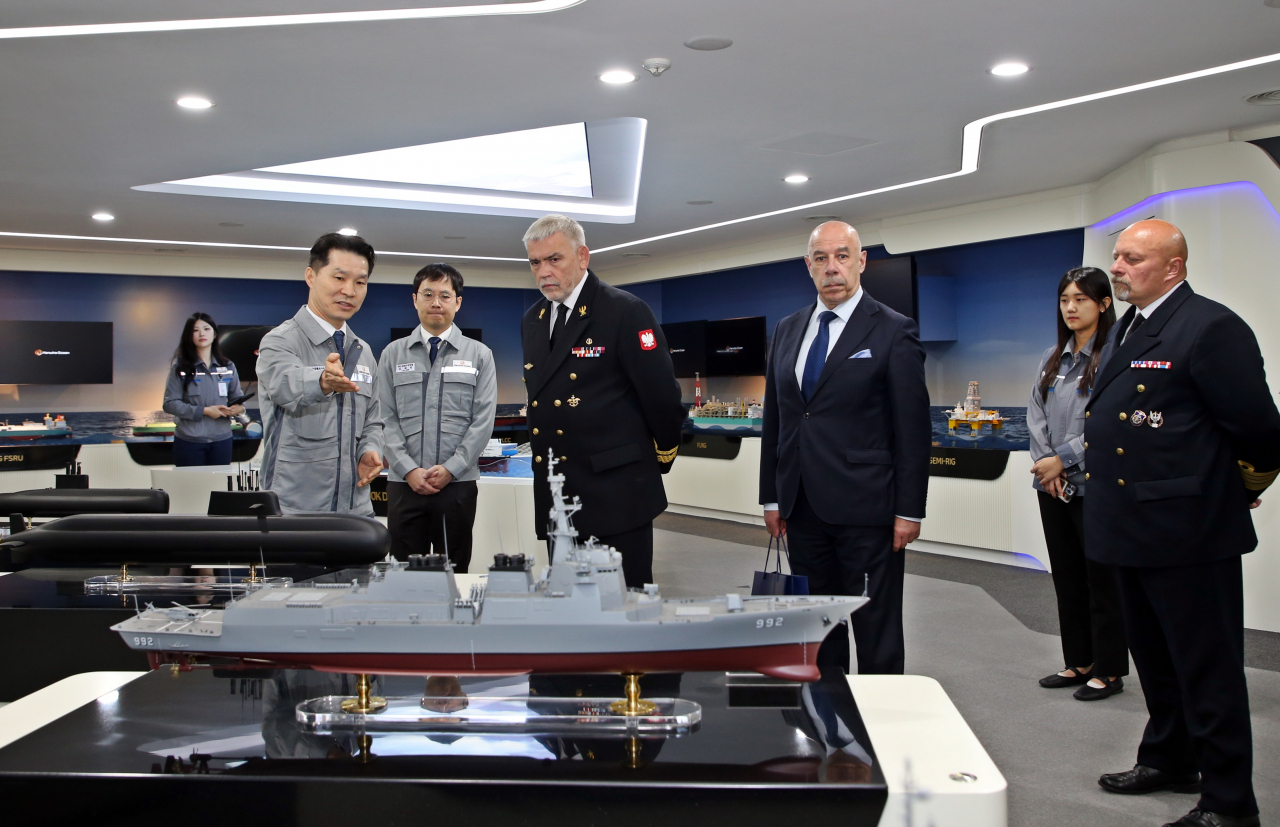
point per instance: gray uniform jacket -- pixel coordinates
(437, 414)
(207, 387)
(1056, 423)
(313, 442)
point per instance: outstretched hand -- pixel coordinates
(333, 380)
(369, 468)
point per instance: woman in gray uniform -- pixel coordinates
(1094, 647)
(201, 382)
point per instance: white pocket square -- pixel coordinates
(862, 354)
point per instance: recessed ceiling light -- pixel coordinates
(699, 203)
(708, 44)
(618, 76)
(456, 237)
(823, 218)
(103, 216)
(635, 255)
(1008, 70)
(347, 231)
(796, 179)
(192, 102)
(229, 224)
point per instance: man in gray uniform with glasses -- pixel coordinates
(321, 423)
(438, 392)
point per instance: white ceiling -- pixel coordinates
(87, 118)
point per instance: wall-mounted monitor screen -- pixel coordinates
(687, 343)
(736, 347)
(239, 343)
(892, 281)
(55, 353)
(476, 333)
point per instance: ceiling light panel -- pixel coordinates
(1009, 70)
(552, 169)
(488, 10)
(618, 76)
(193, 102)
(548, 161)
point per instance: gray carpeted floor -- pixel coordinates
(987, 633)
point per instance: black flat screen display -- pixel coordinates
(687, 343)
(892, 281)
(736, 347)
(55, 353)
(239, 343)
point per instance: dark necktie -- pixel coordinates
(1137, 323)
(435, 347)
(817, 355)
(558, 320)
(339, 338)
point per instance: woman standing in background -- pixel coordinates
(1094, 647)
(201, 381)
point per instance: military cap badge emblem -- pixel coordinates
(582, 311)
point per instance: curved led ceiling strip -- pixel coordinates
(971, 149)
(491, 10)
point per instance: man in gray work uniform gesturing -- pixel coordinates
(322, 427)
(438, 393)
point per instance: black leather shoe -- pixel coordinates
(1114, 686)
(1056, 681)
(1203, 818)
(1142, 779)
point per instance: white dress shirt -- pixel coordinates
(834, 328)
(1145, 312)
(569, 303)
(330, 329)
(426, 335)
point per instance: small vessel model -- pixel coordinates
(970, 412)
(576, 617)
(50, 427)
(167, 428)
(732, 416)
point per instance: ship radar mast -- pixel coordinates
(562, 533)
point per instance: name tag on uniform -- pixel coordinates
(409, 368)
(222, 389)
(462, 363)
(1149, 364)
(361, 374)
(588, 352)
(459, 369)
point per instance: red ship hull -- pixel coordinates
(788, 661)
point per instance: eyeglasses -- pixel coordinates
(428, 296)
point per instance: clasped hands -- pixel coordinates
(428, 481)
(1049, 473)
(219, 411)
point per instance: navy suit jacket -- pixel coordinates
(1174, 495)
(861, 444)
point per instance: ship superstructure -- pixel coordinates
(576, 615)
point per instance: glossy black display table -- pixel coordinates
(201, 748)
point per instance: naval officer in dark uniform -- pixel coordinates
(1181, 435)
(603, 397)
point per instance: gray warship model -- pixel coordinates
(576, 617)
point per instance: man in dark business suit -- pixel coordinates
(844, 459)
(1182, 435)
(603, 397)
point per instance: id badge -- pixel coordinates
(222, 389)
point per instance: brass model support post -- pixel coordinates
(632, 705)
(364, 702)
(253, 574)
(633, 761)
(364, 742)
(124, 576)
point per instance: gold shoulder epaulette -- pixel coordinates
(665, 456)
(1255, 480)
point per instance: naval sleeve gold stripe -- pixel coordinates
(665, 456)
(1256, 480)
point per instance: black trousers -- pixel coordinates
(430, 524)
(1088, 600)
(636, 548)
(838, 559)
(1186, 631)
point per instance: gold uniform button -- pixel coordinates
(538, 458)
(534, 403)
(1086, 475)
(559, 432)
(1086, 414)
(557, 403)
(1120, 481)
(1141, 388)
(562, 459)
(535, 431)
(1120, 451)
(1086, 446)
(573, 376)
(1123, 415)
